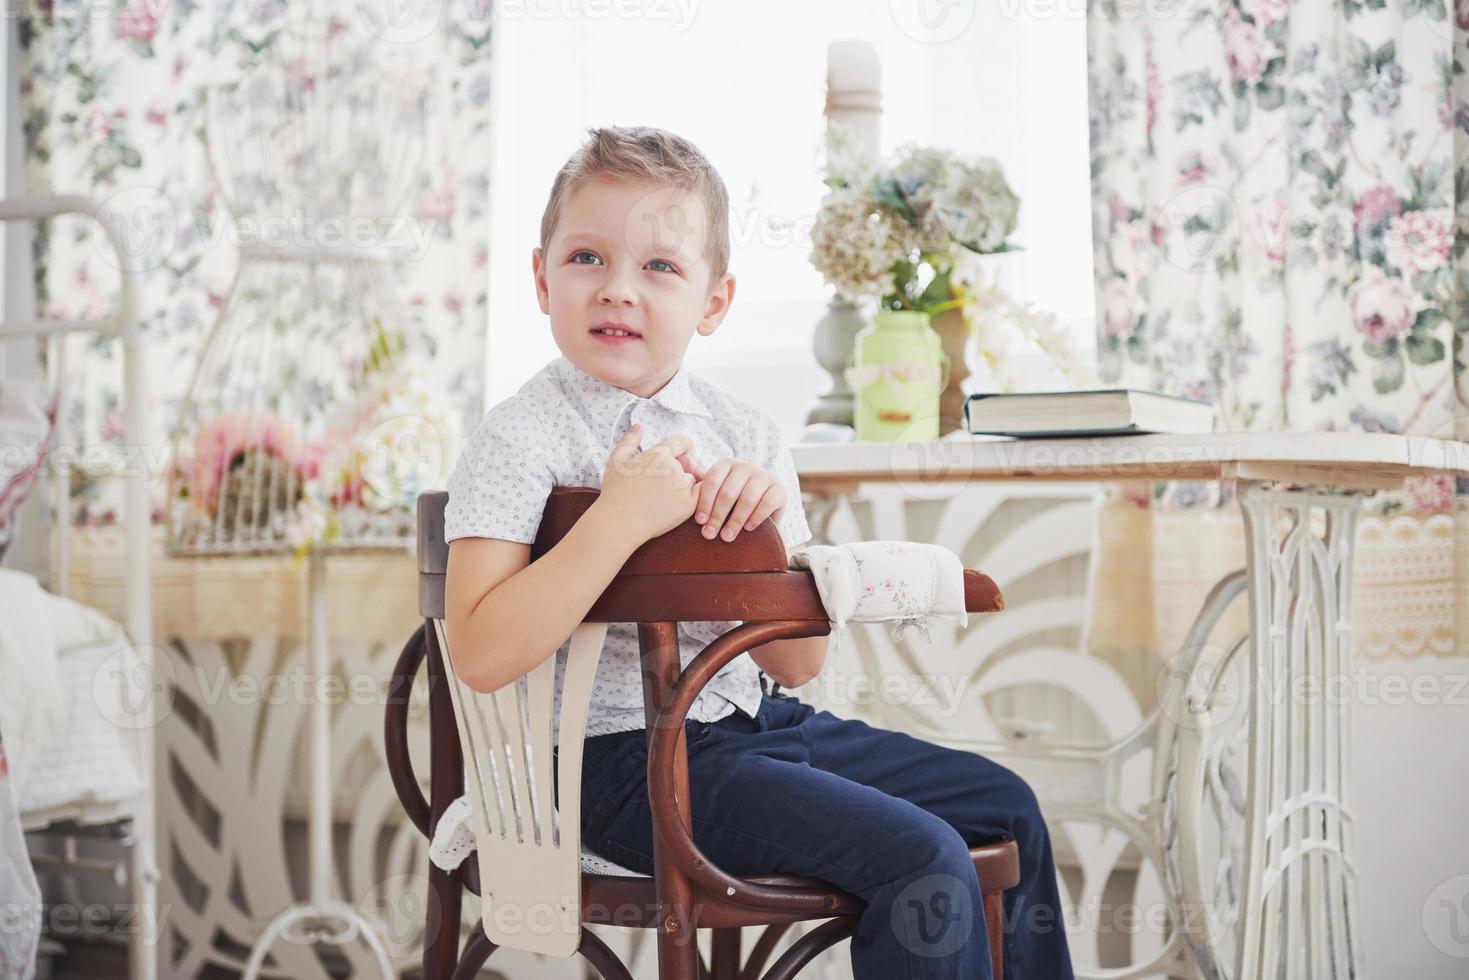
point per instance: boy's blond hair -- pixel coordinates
(642, 153)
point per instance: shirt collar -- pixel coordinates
(675, 396)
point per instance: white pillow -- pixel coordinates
(27, 415)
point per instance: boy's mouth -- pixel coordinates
(615, 333)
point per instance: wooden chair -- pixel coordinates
(529, 859)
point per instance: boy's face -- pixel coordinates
(630, 255)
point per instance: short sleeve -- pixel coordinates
(503, 478)
(775, 457)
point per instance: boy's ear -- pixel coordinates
(538, 270)
(720, 299)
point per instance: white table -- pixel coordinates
(1294, 912)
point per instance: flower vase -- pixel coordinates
(897, 374)
(953, 332)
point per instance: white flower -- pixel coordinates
(1417, 242)
(854, 244)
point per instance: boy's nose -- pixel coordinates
(617, 290)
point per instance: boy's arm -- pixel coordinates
(504, 614)
(792, 663)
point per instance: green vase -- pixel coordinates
(897, 373)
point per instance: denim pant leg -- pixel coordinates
(979, 798)
(759, 805)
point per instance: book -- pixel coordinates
(1085, 412)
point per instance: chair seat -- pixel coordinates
(613, 895)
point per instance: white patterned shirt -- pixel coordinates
(557, 431)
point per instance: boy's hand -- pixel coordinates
(735, 496)
(653, 491)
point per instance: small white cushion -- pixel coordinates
(453, 841)
(595, 864)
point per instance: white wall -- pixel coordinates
(1410, 730)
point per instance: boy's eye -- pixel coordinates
(664, 262)
(575, 255)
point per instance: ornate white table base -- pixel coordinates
(320, 919)
(1246, 814)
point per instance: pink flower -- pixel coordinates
(1376, 204)
(1153, 89)
(1461, 14)
(1244, 47)
(156, 114)
(115, 425)
(1434, 494)
(1266, 12)
(138, 21)
(100, 125)
(1136, 494)
(1267, 232)
(438, 202)
(1193, 170)
(1417, 243)
(1132, 248)
(222, 438)
(1382, 305)
(1117, 304)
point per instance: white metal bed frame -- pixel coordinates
(125, 325)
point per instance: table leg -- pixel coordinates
(1299, 904)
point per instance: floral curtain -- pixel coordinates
(1281, 211)
(114, 106)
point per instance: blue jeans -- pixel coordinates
(882, 815)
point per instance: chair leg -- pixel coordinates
(476, 952)
(446, 781)
(724, 964)
(441, 935)
(994, 920)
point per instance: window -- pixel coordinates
(746, 82)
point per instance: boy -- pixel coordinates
(632, 262)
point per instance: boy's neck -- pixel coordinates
(631, 391)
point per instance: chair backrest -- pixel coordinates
(528, 849)
(527, 839)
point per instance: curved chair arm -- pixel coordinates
(664, 772)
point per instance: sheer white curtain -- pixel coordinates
(746, 82)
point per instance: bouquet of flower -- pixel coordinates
(246, 465)
(253, 478)
(395, 440)
(895, 232)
